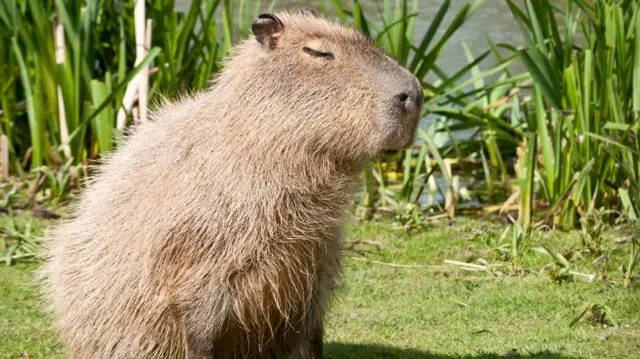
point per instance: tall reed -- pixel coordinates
(64, 66)
(78, 93)
(586, 103)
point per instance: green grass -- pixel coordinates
(23, 325)
(427, 312)
(387, 312)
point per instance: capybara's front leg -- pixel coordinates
(311, 346)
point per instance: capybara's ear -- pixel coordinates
(309, 11)
(267, 29)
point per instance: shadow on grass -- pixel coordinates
(368, 351)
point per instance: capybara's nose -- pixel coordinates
(410, 100)
(402, 100)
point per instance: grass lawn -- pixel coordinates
(429, 309)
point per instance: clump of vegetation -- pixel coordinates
(634, 261)
(595, 313)
(17, 241)
(593, 225)
(585, 104)
(572, 115)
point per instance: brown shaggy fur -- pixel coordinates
(214, 230)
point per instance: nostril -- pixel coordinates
(402, 98)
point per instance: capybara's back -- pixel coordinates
(214, 230)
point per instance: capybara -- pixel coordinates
(214, 230)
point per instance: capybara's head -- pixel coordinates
(330, 84)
